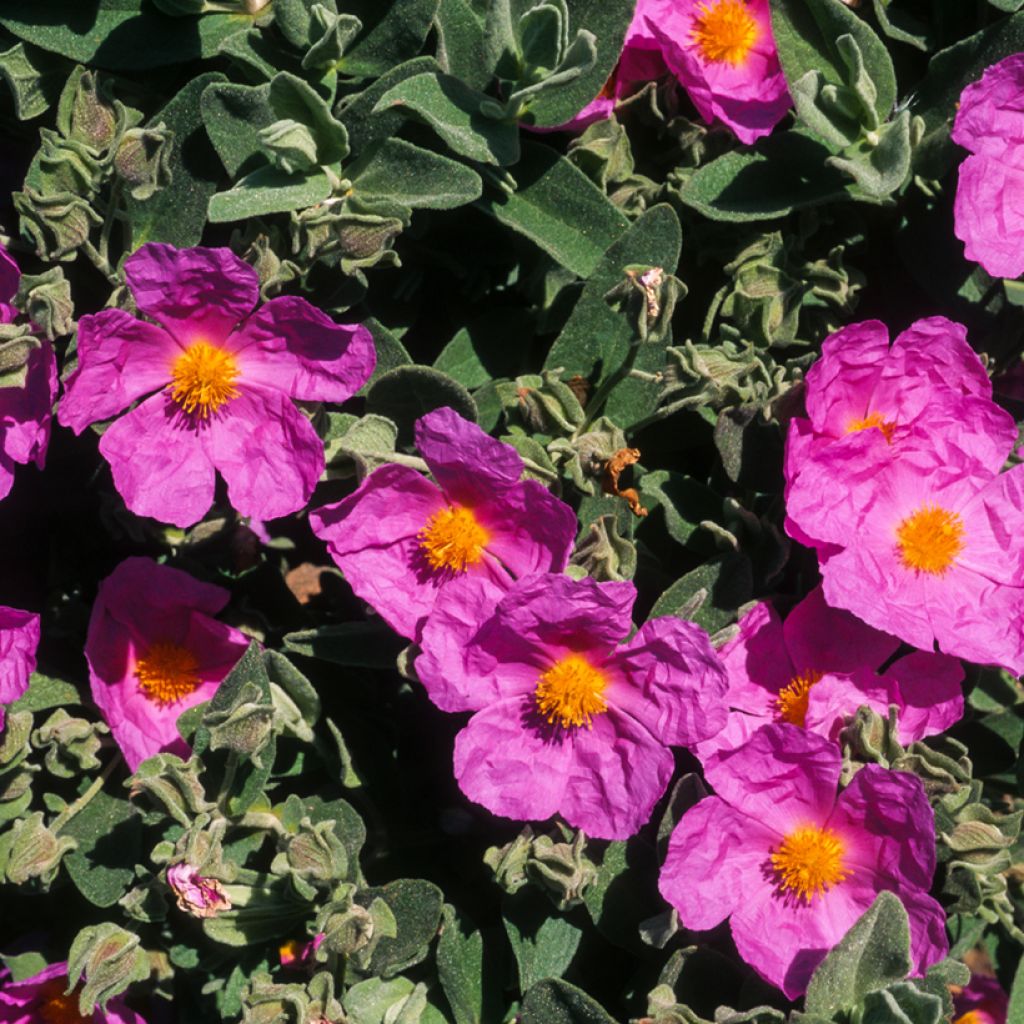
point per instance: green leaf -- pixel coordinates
(710, 594)
(558, 1002)
(24, 965)
(405, 394)
(905, 28)
(403, 173)
(462, 43)
(35, 79)
(873, 954)
(470, 989)
(1015, 1011)
(45, 692)
(902, 1003)
(543, 941)
(177, 213)
(292, 99)
(416, 906)
(783, 173)
(121, 35)
(375, 1002)
(806, 34)
(269, 190)
(881, 169)
(391, 352)
(109, 835)
(683, 501)
(452, 109)
(233, 115)
(560, 209)
(392, 33)
(596, 338)
(493, 345)
(353, 644)
(357, 446)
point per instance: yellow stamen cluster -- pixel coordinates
(809, 862)
(791, 703)
(453, 540)
(167, 672)
(203, 379)
(570, 692)
(725, 31)
(930, 539)
(874, 419)
(57, 1008)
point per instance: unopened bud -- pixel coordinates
(289, 145)
(245, 727)
(174, 783)
(46, 298)
(346, 926)
(561, 869)
(508, 862)
(71, 743)
(315, 853)
(143, 160)
(110, 959)
(86, 113)
(14, 738)
(34, 851)
(55, 224)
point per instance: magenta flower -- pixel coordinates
(791, 865)
(983, 1001)
(988, 215)
(19, 638)
(296, 954)
(930, 384)
(569, 719)
(196, 894)
(724, 55)
(25, 414)
(220, 380)
(816, 668)
(41, 999)
(401, 540)
(154, 650)
(10, 280)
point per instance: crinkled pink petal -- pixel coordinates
(929, 942)
(988, 214)
(26, 1001)
(928, 690)
(937, 349)
(531, 531)
(25, 415)
(715, 861)
(198, 294)
(834, 699)
(19, 638)
(784, 777)
(757, 661)
(120, 359)
(739, 727)
(469, 465)
(160, 466)
(267, 451)
(669, 679)
(10, 276)
(291, 346)
(825, 639)
(994, 529)
(990, 114)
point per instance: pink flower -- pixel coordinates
(220, 380)
(569, 720)
(989, 209)
(930, 384)
(401, 540)
(10, 281)
(196, 894)
(296, 954)
(41, 999)
(724, 55)
(791, 865)
(25, 414)
(819, 666)
(983, 1001)
(154, 650)
(19, 638)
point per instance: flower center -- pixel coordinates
(167, 672)
(453, 540)
(203, 379)
(725, 31)
(930, 539)
(973, 1017)
(791, 703)
(809, 861)
(57, 1008)
(874, 419)
(570, 692)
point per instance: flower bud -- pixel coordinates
(315, 853)
(86, 113)
(71, 743)
(33, 851)
(334, 33)
(46, 298)
(17, 343)
(110, 959)
(174, 783)
(14, 738)
(143, 160)
(508, 862)
(56, 224)
(561, 869)
(347, 927)
(289, 145)
(245, 727)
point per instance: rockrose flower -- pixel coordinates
(155, 650)
(25, 414)
(569, 719)
(19, 638)
(929, 384)
(983, 1001)
(220, 379)
(401, 540)
(818, 666)
(989, 209)
(724, 55)
(792, 865)
(41, 999)
(10, 279)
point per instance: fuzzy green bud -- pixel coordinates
(46, 298)
(32, 851)
(245, 727)
(56, 224)
(174, 784)
(110, 959)
(315, 853)
(143, 160)
(71, 744)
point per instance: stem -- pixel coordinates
(72, 809)
(600, 396)
(99, 262)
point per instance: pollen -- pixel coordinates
(57, 1008)
(725, 31)
(809, 862)
(874, 419)
(453, 539)
(570, 692)
(791, 703)
(167, 673)
(203, 379)
(930, 539)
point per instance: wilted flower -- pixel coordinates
(220, 380)
(42, 999)
(569, 719)
(401, 540)
(196, 894)
(154, 650)
(821, 664)
(792, 865)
